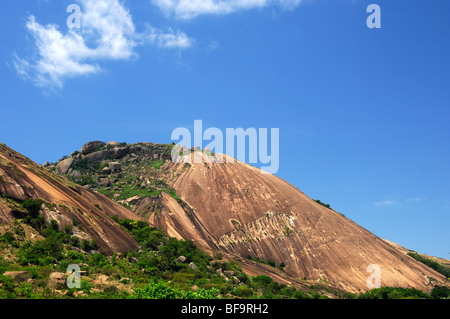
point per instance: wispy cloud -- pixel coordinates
(396, 202)
(188, 9)
(107, 33)
(386, 203)
(414, 200)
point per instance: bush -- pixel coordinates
(440, 292)
(7, 237)
(432, 264)
(262, 279)
(7, 286)
(394, 293)
(43, 252)
(243, 291)
(162, 290)
(183, 277)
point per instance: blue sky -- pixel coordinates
(363, 113)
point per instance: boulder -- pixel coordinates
(115, 166)
(228, 273)
(113, 144)
(19, 276)
(56, 281)
(91, 147)
(193, 266)
(64, 166)
(106, 170)
(119, 152)
(97, 156)
(181, 259)
(104, 182)
(46, 164)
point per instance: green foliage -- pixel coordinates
(323, 204)
(432, 264)
(267, 262)
(262, 279)
(33, 216)
(33, 206)
(440, 292)
(44, 252)
(394, 293)
(162, 290)
(7, 237)
(243, 291)
(156, 164)
(88, 245)
(7, 285)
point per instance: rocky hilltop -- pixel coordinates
(231, 207)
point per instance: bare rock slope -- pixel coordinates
(22, 179)
(234, 208)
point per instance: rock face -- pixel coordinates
(21, 179)
(18, 276)
(234, 208)
(56, 281)
(91, 147)
(64, 166)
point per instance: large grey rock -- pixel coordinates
(91, 147)
(193, 266)
(57, 280)
(115, 166)
(113, 144)
(64, 166)
(97, 156)
(119, 152)
(18, 276)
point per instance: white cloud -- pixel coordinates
(399, 202)
(107, 33)
(188, 9)
(386, 203)
(170, 39)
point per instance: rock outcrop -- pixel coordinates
(91, 147)
(234, 208)
(21, 179)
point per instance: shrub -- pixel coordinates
(394, 293)
(43, 252)
(243, 291)
(432, 264)
(7, 237)
(262, 279)
(440, 292)
(301, 295)
(183, 277)
(162, 290)
(7, 286)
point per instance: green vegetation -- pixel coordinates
(162, 267)
(323, 204)
(163, 290)
(394, 293)
(261, 261)
(432, 264)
